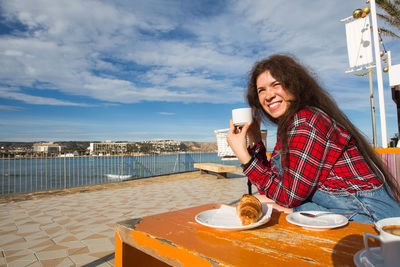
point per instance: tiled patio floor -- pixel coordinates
(77, 229)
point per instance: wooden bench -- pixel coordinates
(220, 169)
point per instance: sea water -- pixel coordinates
(38, 174)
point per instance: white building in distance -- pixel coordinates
(47, 148)
(107, 147)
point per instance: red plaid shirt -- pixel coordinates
(321, 155)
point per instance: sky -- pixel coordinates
(99, 70)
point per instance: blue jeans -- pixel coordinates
(366, 206)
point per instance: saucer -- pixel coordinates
(364, 259)
(320, 223)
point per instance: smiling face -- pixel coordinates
(274, 99)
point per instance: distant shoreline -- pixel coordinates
(80, 148)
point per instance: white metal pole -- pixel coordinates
(371, 98)
(379, 74)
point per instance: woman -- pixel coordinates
(320, 161)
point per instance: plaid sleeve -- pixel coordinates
(309, 159)
(259, 152)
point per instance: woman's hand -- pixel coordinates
(236, 138)
(265, 200)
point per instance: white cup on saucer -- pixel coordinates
(391, 220)
(241, 116)
(389, 238)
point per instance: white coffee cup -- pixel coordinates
(241, 116)
(390, 246)
(391, 220)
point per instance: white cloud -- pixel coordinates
(10, 108)
(87, 48)
(37, 100)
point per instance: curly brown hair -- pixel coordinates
(307, 93)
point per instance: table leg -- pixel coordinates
(125, 255)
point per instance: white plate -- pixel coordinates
(225, 218)
(319, 223)
(363, 259)
(387, 221)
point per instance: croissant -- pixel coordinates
(249, 209)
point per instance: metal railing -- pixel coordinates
(32, 173)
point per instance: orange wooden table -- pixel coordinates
(174, 238)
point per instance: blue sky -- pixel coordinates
(141, 70)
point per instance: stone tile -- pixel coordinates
(43, 244)
(42, 220)
(65, 238)
(30, 222)
(82, 234)
(59, 262)
(27, 259)
(8, 238)
(98, 228)
(99, 245)
(53, 213)
(52, 254)
(73, 227)
(17, 214)
(53, 230)
(72, 244)
(101, 221)
(3, 211)
(9, 230)
(22, 221)
(63, 221)
(6, 223)
(82, 259)
(34, 212)
(17, 252)
(28, 229)
(15, 244)
(50, 225)
(110, 232)
(105, 255)
(94, 236)
(78, 250)
(35, 236)
(35, 264)
(22, 264)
